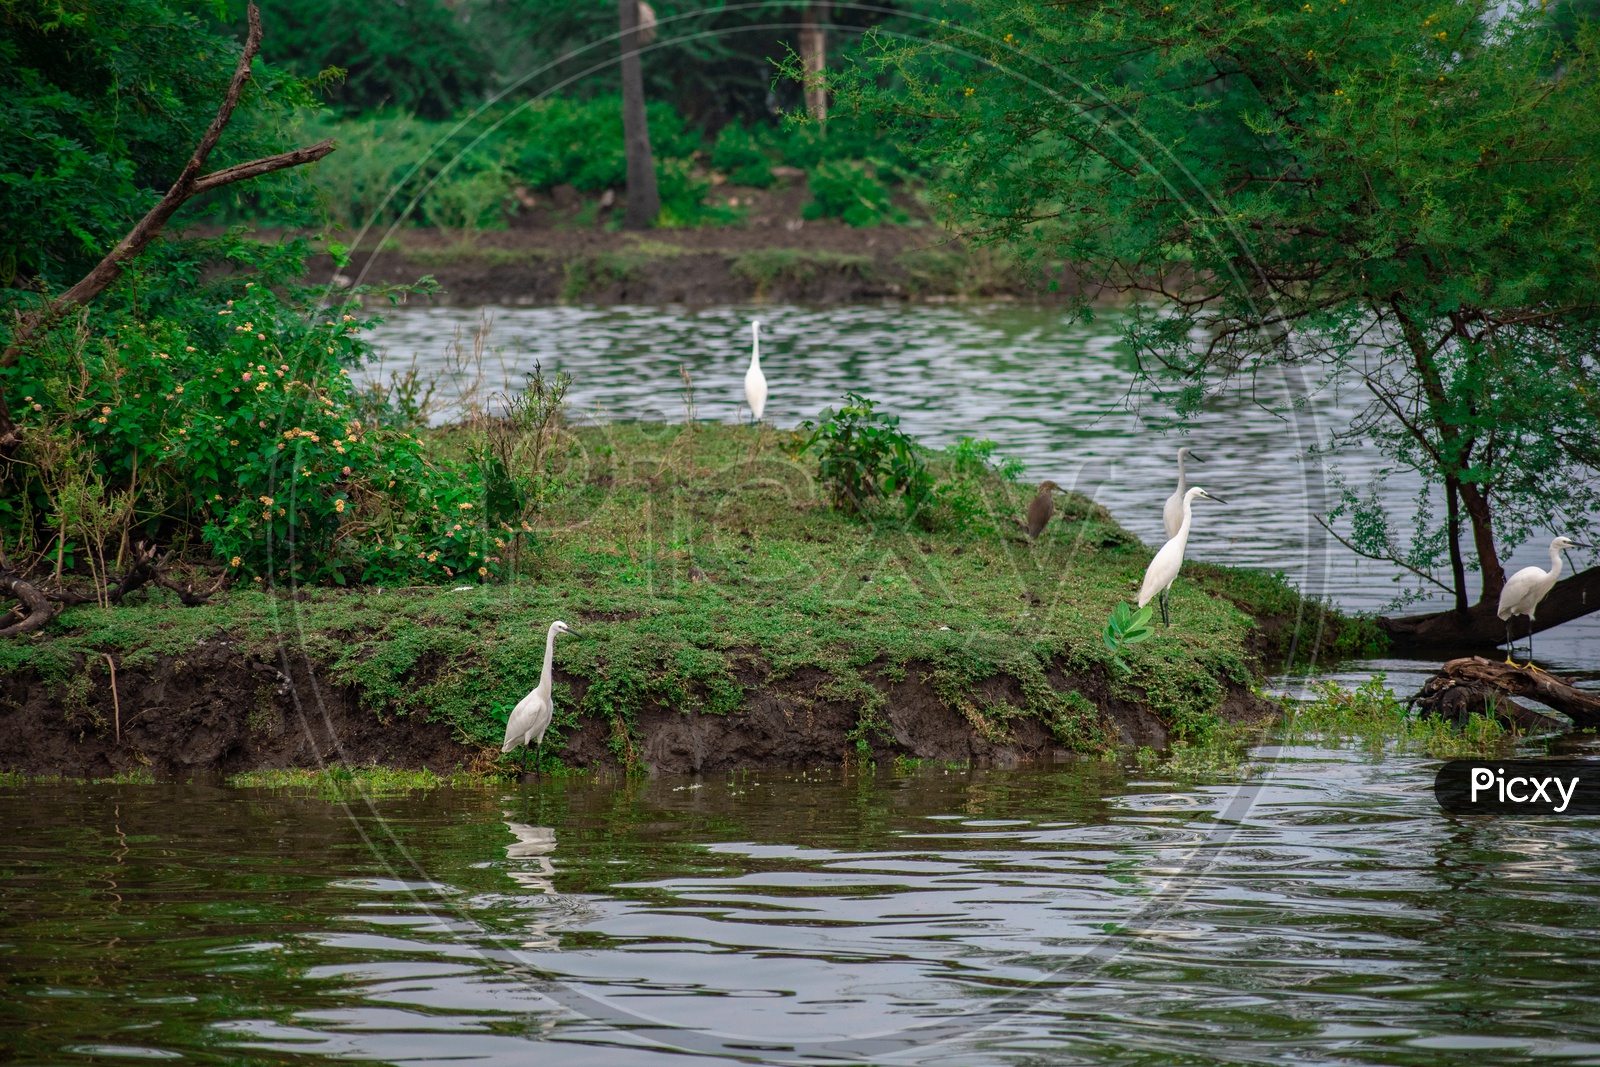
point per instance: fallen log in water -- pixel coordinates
(1474, 685)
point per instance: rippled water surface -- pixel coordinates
(1327, 912)
(1052, 391)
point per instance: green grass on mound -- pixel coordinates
(694, 560)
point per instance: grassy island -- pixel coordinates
(729, 614)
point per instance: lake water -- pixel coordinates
(1053, 392)
(1326, 912)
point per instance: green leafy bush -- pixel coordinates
(225, 414)
(864, 456)
(849, 190)
(474, 201)
(737, 154)
(1126, 627)
(1372, 717)
(579, 142)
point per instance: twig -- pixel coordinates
(1424, 575)
(116, 705)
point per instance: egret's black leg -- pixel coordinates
(1166, 615)
(1510, 645)
(524, 759)
(538, 756)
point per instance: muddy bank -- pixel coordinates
(818, 262)
(221, 710)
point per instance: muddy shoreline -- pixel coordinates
(818, 262)
(222, 709)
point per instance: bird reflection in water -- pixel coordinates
(534, 843)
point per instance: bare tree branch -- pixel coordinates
(1424, 575)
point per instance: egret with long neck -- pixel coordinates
(755, 383)
(1172, 514)
(531, 717)
(1526, 588)
(1169, 561)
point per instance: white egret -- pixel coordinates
(755, 383)
(1527, 587)
(1041, 508)
(1172, 514)
(1169, 561)
(531, 717)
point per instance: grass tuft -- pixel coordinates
(1371, 717)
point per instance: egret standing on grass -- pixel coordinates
(1169, 561)
(1041, 508)
(755, 383)
(531, 717)
(1526, 588)
(1172, 514)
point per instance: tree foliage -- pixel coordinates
(1396, 193)
(415, 55)
(102, 103)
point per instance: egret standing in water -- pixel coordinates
(755, 383)
(1041, 508)
(531, 717)
(1526, 588)
(1169, 561)
(1172, 514)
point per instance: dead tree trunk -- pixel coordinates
(190, 183)
(644, 202)
(1478, 626)
(1477, 685)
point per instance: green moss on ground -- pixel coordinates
(339, 783)
(699, 562)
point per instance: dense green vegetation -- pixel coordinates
(223, 416)
(103, 103)
(474, 172)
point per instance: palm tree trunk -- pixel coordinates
(644, 202)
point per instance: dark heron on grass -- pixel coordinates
(1042, 507)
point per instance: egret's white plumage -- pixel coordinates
(1164, 568)
(755, 383)
(531, 717)
(1172, 513)
(1527, 587)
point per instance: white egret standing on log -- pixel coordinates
(1172, 514)
(755, 383)
(1169, 561)
(531, 717)
(1526, 588)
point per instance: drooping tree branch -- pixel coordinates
(191, 182)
